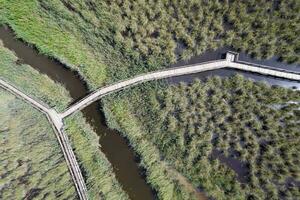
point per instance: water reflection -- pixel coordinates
(237, 166)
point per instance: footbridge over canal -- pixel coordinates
(231, 61)
(56, 119)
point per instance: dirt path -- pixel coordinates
(185, 183)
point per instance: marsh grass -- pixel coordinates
(51, 39)
(32, 164)
(111, 40)
(181, 125)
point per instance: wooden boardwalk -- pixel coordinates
(231, 61)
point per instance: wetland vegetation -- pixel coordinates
(32, 164)
(181, 126)
(171, 30)
(30, 81)
(174, 130)
(111, 40)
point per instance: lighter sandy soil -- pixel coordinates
(185, 183)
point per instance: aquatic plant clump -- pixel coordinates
(196, 128)
(176, 30)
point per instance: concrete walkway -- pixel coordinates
(57, 124)
(231, 61)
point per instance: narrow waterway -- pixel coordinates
(113, 145)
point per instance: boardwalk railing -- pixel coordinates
(231, 61)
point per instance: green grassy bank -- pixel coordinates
(180, 126)
(32, 164)
(33, 24)
(31, 82)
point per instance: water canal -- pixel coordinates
(115, 147)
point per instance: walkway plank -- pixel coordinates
(231, 61)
